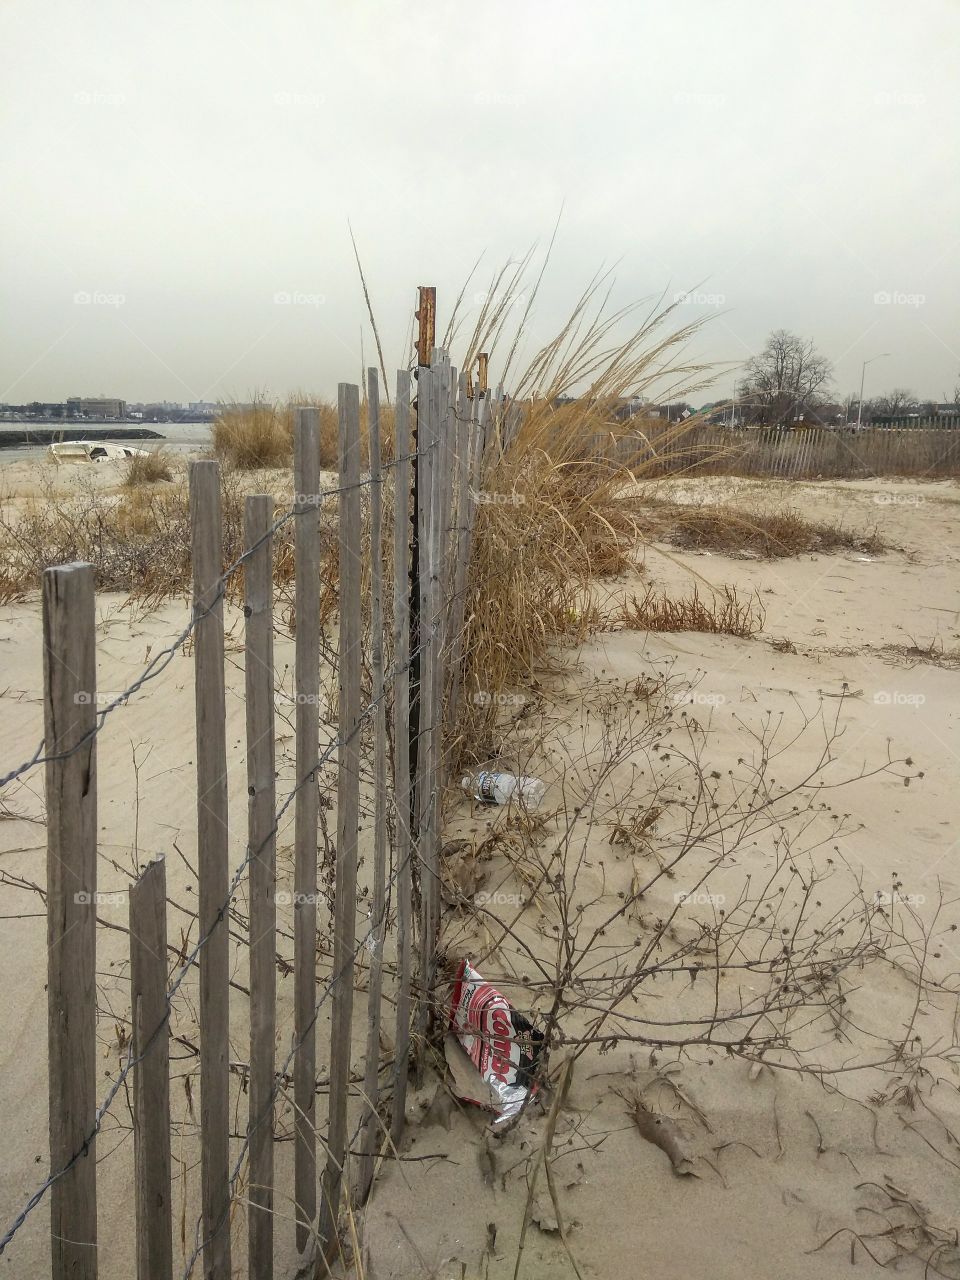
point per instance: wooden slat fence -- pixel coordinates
(448, 426)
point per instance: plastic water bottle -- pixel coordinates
(500, 788)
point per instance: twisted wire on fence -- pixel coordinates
(162, 659)
(153, 669)
(191, 959)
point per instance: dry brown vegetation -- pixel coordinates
(694, 951)
(770, 535)
(724, 612)
(260, 435)
(138, 541)
(562, 514)
(147, 468)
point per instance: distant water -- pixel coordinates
(178, 437)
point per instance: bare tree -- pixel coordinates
(788, 377)
(893, 403)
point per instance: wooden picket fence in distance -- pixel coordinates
(929, 450)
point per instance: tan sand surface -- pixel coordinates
(781, 1158)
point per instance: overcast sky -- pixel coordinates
(174, 172)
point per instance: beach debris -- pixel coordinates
(662, 1132)
(501, 1043)
(488, 787)
(545, 1219)
(93, 451)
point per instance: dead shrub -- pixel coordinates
(770, 535)
(138, 542)
(724, 613)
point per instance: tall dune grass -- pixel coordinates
(568, 469)
(260, 435)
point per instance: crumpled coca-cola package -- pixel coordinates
(501, 1043)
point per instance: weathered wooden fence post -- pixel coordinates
(372, 1130)
(348, 808)
(261, 805)
(467, 495)
(401, 747)
(151, 1075)
(306, 480)
(428, 412)
(212, 854)
(70, 716)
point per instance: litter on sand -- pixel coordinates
(502, 1044)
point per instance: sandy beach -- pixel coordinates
(848, 700)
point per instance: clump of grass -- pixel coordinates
(253, 437)
(724, 613)
(260, 435)
(770, 535)
(147, 468)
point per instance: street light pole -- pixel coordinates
(863, 371)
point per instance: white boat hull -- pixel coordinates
(93, 451)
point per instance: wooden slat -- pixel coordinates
(437, 581)
(348, 808)
(261, 805)
(306, 479)
(69, 705)
(401, 750)
(212, 853)
(467, 484)
(428, 400)
(441, 533)
(372, 1129)
(151, 1075)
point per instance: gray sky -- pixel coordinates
(182, 167)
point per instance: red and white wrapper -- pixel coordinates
(501, 1043)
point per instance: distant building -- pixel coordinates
(82, 407)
